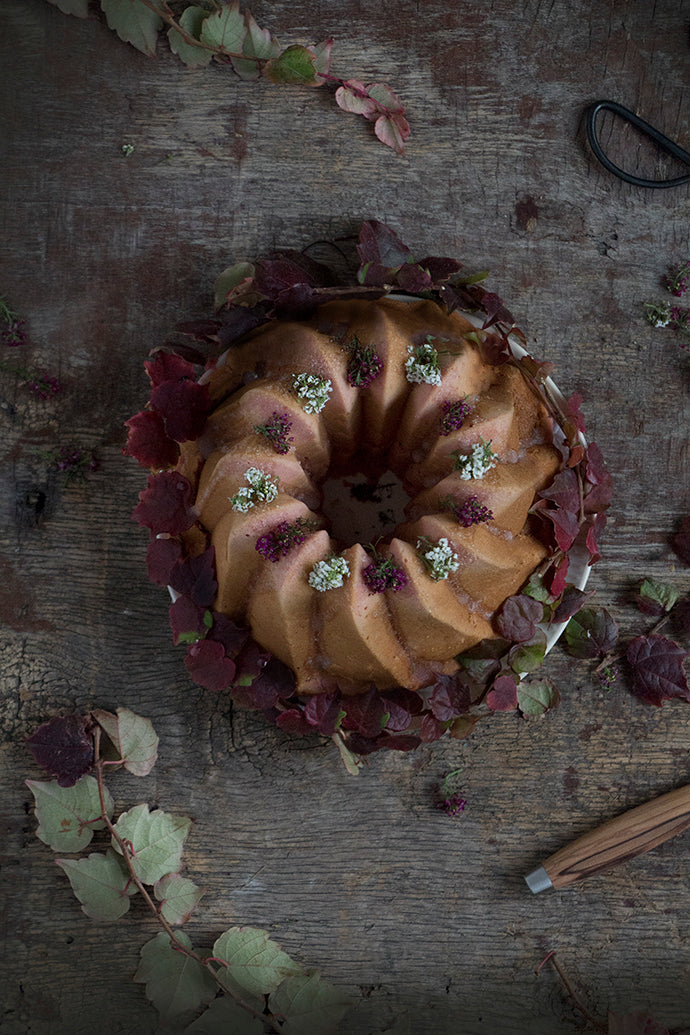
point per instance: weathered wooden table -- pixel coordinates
(103, 251)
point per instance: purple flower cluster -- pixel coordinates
(13, 333)
(72, 461)
(280, 540)
(43, 386)
(470, 512)
(383, 575)
(453, 805)
(277, 431)
(454, 415)
(677, 280)
(364, 366)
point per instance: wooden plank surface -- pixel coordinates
(402, 907)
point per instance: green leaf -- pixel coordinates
(80, 8)
(537, 696)
(322, 56)
(134, 23)
(192, 20)
(224, 1017)
(295, 66)
(231, 278)
(178, 896)
(68, 816)
(660, 593)
(527, 657)
(102, 884)
(225, 29)
(258, 43)
(254, 963)
(134, 736)
(156, 839)
(310, 1005)
(174, 982)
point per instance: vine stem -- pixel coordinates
(128, 855)
(551, 958)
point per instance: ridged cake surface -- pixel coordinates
(381, 413)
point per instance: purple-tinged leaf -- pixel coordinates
(563, 491)
(168, 366)
(162, 554)
(483, 662)
(148, 442)
(63, 747)
(293, 722)
(527, 657)
(658, 670)
(165, 504)
(439, 268)
(366, 713)
(591, 633)
(657, 598)
(232, 636)
(431, 728)
(187, 621)
(600, 482)
(393, 131)
(380, 245)
(273, 682)
(449, 699)
(184, 406)
(413, 278)
(401, 705)
(681, 542)
(519, 617)
(638, 1022)
(503, 695)
(353, 97)
(325, 712)
(195, 577)
(208, 666)
(570, 603)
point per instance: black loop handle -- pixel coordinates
(644, 127)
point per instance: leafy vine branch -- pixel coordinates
(247, 982)
(213, 31)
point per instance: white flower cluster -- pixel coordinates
(422, 366)
(441, 559)
(314, 391)
(477, 463)
(329, 574)
(262, 488)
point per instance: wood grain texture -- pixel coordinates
(402, 907)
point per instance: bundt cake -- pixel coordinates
(374, 512)
(390, 391)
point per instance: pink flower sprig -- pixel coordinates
(74, 462)
(453, 415)
(280, 540)
(383, 574)
(677, 280)
(44, 386)
(453, 806)
(469, 512)
(450, 802)
(277, 431)
(364, 365)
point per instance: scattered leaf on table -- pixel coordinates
(102, 884)
(591, 633)
(657, 669)
(63, 746)
(537, 696)
(134, 736)
(175, 983)
(178, 897)
(156, 840)
(68, 816)
(310, 1005)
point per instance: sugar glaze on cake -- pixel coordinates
(406, 389)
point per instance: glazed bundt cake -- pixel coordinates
(390, 390)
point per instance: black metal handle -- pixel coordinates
(645, 128)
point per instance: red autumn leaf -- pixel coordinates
(657, 668)
(184, 406)
(208, 666)
(594, 530)
(274, 682)
(148, 441)
(570, 603)
(503, 695)
(63, 746)
(380, 245)
(574, 412)
(449, 699)
(431, 728)
(495, 309)
(556, 576)
(162, 554)
(598, 492)
(519, 617)
(681, 542)
(439, 267)
(225, 631)
(401, 706)
(165, 504)
(167, 366)
(293, 722)
(411, 277)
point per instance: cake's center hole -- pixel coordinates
(361, 510)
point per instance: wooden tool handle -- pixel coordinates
(624, 837)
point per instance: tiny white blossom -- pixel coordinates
(477, 463)
(262, 488)
(313, 391)
(422, 365)
(329, 574)
(441, 559)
